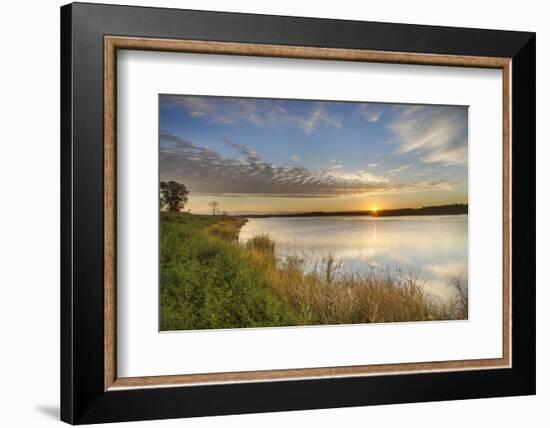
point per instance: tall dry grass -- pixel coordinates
(322, 292)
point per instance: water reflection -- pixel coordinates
(435, 247)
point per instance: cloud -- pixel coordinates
(246, 151)
(362, 174)
(203, 170)
(316, 118)
(399, 169)
(370, 113)
(261, 112)
(334, 165)
(374, 164)
(439, 134)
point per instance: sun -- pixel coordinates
(374, 210)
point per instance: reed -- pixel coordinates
(322, 292)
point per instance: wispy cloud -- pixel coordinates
(206, 171)
(260, 112)
(399, 169)
(370, 112)
(318, 117)
(334, 165)
(439, 134)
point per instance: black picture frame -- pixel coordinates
(83, 399)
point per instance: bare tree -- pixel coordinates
(214, 206)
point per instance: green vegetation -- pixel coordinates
(206, 280)
(209, 280)
(173, 196)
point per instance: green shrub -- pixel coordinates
(206, 281)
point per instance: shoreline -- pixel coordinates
(454, 209)
(261, 216)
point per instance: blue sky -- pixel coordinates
(271, 155)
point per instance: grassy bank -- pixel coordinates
(209, 280)
(206, 280)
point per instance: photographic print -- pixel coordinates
(283, 212)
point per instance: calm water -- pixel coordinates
(435, 247)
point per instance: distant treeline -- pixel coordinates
(452, 209)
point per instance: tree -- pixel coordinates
(213, 207)
(173, 195)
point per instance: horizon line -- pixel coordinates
(245, 213)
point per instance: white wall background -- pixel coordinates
(29, 215)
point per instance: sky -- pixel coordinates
(279, 155)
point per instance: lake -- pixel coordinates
(434, 247)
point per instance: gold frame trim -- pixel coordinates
(113, 43)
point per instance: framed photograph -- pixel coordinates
(265, 213)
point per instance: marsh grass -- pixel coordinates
(209, 280)
(324, 293)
